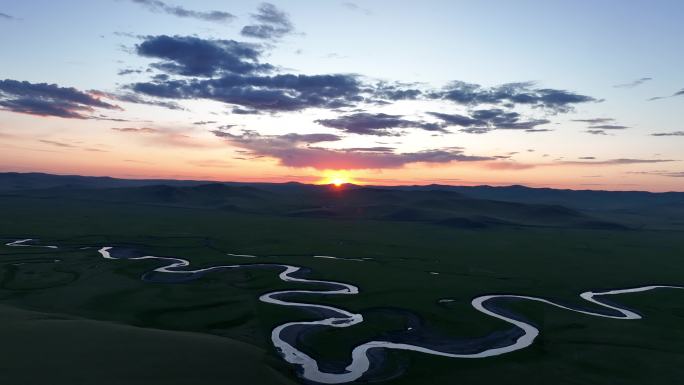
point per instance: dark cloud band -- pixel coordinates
(45, 99)
(376, 124)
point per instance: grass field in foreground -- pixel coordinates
(218, 319)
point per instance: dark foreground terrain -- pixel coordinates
(418, 255)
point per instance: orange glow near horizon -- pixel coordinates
(337, 177)
(83, 148)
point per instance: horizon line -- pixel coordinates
(474, 184)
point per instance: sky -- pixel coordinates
(564, 94)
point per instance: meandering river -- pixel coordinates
(179, 269)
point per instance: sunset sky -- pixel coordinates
(567, 94)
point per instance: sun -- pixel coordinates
(337, 178)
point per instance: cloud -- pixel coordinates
(619, 161)
(192, 56)
(106, 118)
(211, 163)
(157, 137)
(162, 7)
(499, 119)
(396, 91)
(486, 120)
(162, 137)
(231, 72)
(587, 157)
(146, 130)
(376, 124)
(456, 119)
(263, 93)
(634, 83)
(596, 132)
(294, 150)
(242, 111)
(67, 145)
(671, 174)
(175, 139)
(57, 144)
(370, 149)
(675, 133)
(128, 71)
(538, 130)
(310, 138)
(594, 120)
(6, 16)
(597, 126)
(356, 8)
(287, 139)
(204, 122)
(608, 127)
(509, 166)
(678, 93)
(522, 93)
(45, 99)
(133, 98)
(584, 161)
(272, 23)
(6, 135)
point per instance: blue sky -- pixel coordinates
(594, 49)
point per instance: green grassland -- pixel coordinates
(94, 319)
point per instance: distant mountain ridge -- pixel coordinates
(479, 207)
(585, 199)
(581, 199)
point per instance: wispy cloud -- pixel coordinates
(145, 130)
(162, 7)
(294, 150)
(595, 120)
(598, 126)
(619, 161)
(56, 143)
(69, 145)
(6, 16)
(583, 161)
(211, 163)
(608, 127)
(166, 137)
(356, 8)
(136, 99)
(670, 174)
(272, 23)
(633, 83)
(596, 132)
(678, 93)
(675, 133)
(508, 165)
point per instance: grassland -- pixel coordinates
(100, 309)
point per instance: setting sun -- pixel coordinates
(337, 177)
